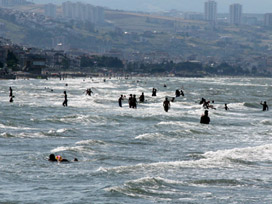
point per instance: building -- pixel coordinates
(50, 10)
(34, 64)
(10, 3)
(210, 11)
(268, 19)
(235, 14)
(83, 12)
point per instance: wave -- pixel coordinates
(252, 105)
(92, 142)
(79, 149)
(233, 158)
(7, 135)
(149, 136)
(149, 187)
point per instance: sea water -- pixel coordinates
(142, 155)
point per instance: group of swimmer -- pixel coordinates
(132, 101)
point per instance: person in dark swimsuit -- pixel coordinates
(205, 119)
(166, 104)
(65, 102)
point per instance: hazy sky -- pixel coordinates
(249, 6)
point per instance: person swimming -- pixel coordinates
(166, 105)
(265, 106)
(57, 158)
(205, 119)
(65, 102)
(226, 107)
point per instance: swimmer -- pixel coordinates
(226, 107)
(154, 92)
(10, 95)
(10, 92)
(58, 158)
(203, 100)
(177, 93)
(265, 106)
(205, 119)
(65, 100)
(181, 92)
(142, 98)
(166, 105)
(134, 102)
(173, 99)
(130, 101)
(89, 92)
(164, 86)
(120, 100)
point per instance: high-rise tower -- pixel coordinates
(210, 11)
(235, 14)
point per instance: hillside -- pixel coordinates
(139, 36)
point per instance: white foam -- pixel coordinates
(218, 159)
(149, 136)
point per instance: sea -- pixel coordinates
(143, 155)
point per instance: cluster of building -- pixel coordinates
(77, 11)
(33, 61)
(234, 17)
(11, 3)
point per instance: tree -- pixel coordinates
(12, 60)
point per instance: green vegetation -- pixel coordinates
(12, 61)
(98, 61)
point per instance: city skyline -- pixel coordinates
(250, 6)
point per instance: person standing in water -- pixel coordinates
(177, 93)
(130, 101)
(120, 100)
(142, 98)
(181, 92)
(226, 107)
(65, 100)
(154, 92)
(265, 106)
(205, 119)
(10, 95)
(166, 104)
(134, 102)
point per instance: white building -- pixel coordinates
(268, 19)
(83, 12)
(235, 14)
(50, 10)
(211, 11)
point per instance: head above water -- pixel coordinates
(206, 112)
(52, 157)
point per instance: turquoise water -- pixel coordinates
(135, 156)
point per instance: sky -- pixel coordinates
(249, 6)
